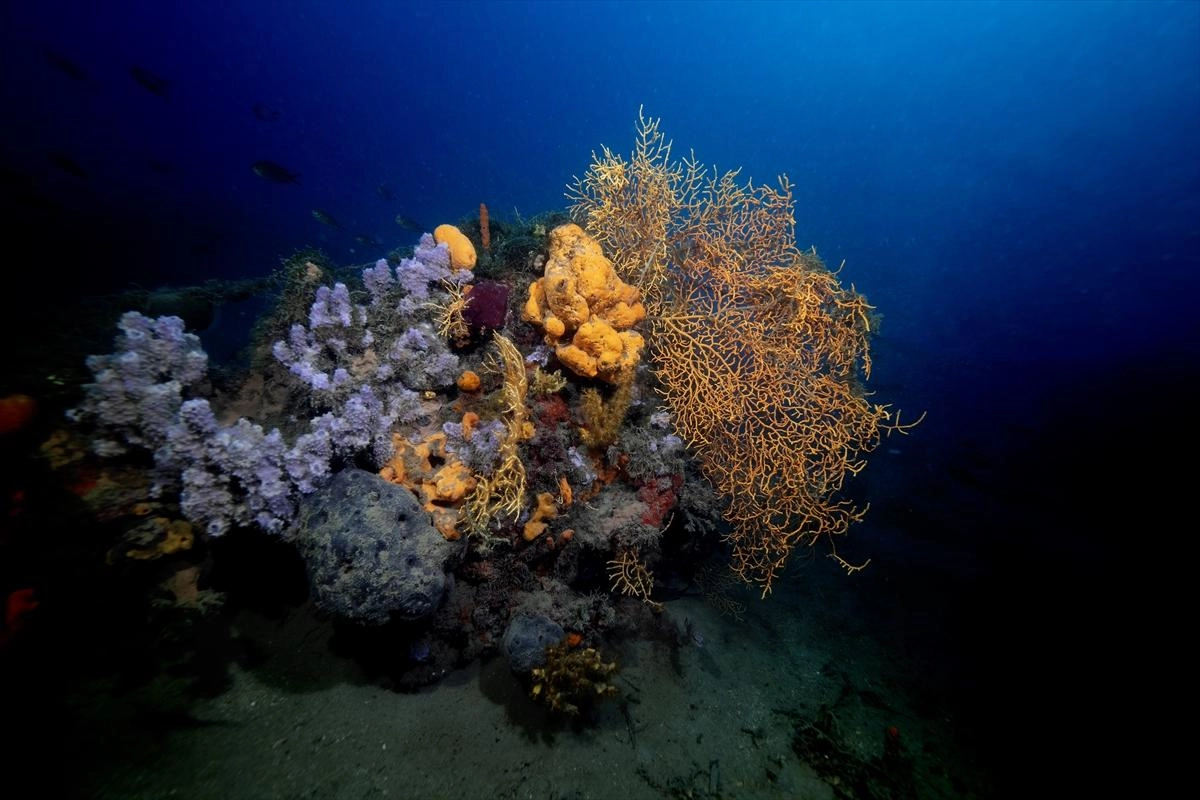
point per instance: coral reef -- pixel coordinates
(475, 471)
(362, 365)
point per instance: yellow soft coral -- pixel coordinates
(580, 295)
(462, 252)
(502, 494)
(173, 536)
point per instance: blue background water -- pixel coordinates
(1016, 187)
(1006, 181)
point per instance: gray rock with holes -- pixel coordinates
(371, 550)
(526, 639)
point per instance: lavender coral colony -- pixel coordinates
(357, 361)
(489, 462)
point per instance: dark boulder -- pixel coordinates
(371, 550)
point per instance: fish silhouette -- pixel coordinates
(407, 223)
(152, 83)
(274, 172)
(68, 164)
(266, 113)
(66, 66)
(325, 218)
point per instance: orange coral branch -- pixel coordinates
(759, 350)
(485, 231)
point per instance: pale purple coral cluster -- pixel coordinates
(366, 419)
(419, 357)
(241, 475)
(333, 308)
(481, 451)
(390, 338)
(139, 387)
(430, 264)
(232, 475)
(379, 281)
(360, 362)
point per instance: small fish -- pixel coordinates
(265, 113)
(273, 172)
(152, 83)
(325, 218)
(66, 66)
(68, 164)
(407, 224)
(367, 240)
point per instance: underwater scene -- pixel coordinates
(584, 400)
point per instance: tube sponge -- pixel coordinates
(462, 252)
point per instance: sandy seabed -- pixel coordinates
(711, 720)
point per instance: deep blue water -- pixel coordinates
(1005, 181)
(1016, 186)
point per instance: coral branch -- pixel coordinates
(502, 494)
(759, 350)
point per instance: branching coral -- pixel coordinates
(757, 346)
(632, 206)
(630, 576)
(602, 417)
(502, 494)
(573, 678)
(547, 382)
(448, 314)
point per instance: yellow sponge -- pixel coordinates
(462, 252)
(581, 296)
